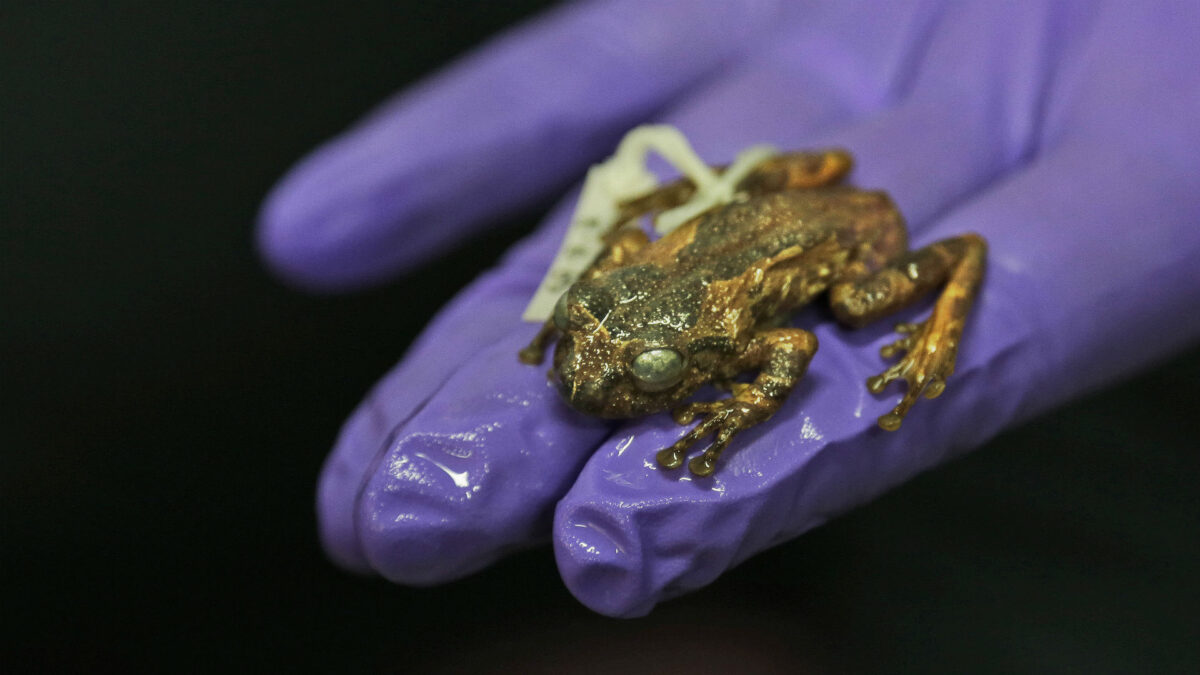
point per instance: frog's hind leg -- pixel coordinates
(789, 171)
(930, 347)
(798, 171)
(782, 355)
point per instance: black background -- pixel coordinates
(166, 406)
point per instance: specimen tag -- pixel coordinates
(623, 177)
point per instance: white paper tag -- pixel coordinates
(621, 178)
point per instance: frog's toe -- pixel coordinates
(703, 465)
(724, 419)
(877, 383)
(892, 420)
(670, 458)
(910, 333)
(934, 388)
(896, 348)
(928, 360)
(918, 382)
(531, 355)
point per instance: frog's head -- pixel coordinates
(623, 356)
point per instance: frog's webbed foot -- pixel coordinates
(724, 419)
(929, 350)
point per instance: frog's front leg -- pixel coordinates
(782, 355)
(931, 346)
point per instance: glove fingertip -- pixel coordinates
(323, 238)
(600, 563)
(419, 520)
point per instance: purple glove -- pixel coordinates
(1066, 135)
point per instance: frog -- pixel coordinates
(649, 323)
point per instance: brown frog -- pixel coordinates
(650, 322)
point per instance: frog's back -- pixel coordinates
(730, 239)
(665, 283)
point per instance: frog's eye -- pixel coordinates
(561, 320)
(657, 369)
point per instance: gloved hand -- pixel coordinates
(1066, 134)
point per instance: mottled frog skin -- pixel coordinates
(651, 322)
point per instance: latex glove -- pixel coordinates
(1065, 134)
